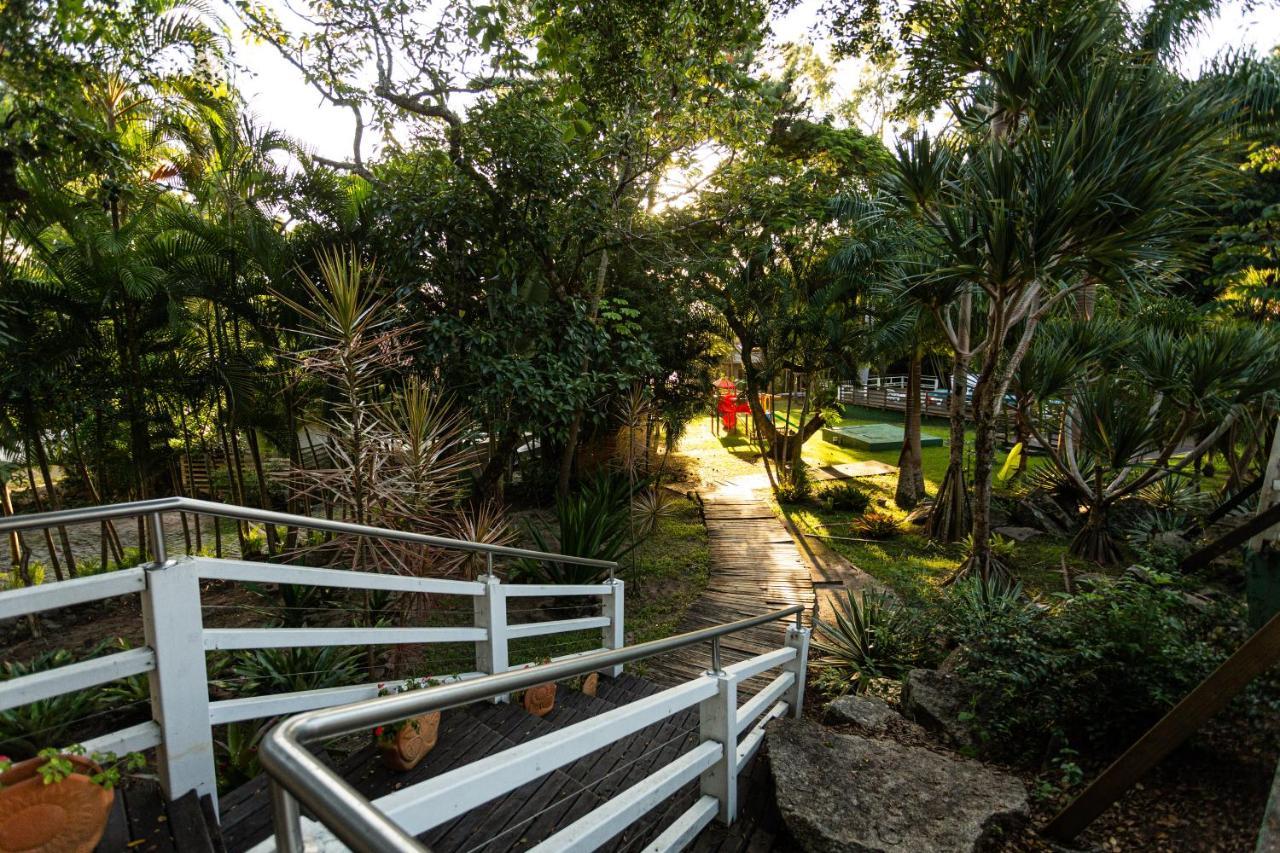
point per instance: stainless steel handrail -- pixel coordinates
(83, 515)
(347, 812)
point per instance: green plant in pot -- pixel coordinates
(59, 800)
(404, 743)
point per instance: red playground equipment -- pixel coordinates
(729, 404)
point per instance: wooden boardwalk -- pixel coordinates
(755, 567)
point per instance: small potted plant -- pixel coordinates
(405, 743)
(59, 800)
(540, 700)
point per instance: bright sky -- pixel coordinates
(278, 95)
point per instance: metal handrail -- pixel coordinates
(295, 772)
(84, 515)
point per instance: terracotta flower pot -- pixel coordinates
(541, 699)
(411, 744)
(591, 684)
(64, 817)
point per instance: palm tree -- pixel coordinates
(1140, 397)
(1036, 197)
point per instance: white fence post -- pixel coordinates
(798, 639)
(614, 634)
(718, 721)
(491, 614)
(179, 684)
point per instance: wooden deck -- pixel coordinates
(755, 567)
(517, 821)
(141, 820)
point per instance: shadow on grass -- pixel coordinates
(740, 446)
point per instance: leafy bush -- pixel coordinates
(651, 506)
(299, 604)
(870, 637)
(26, 729)
(290, 669)
(1155, 538)
(236, 752)
(595, 523)
(1177, 494)
(877, 525)
(1003, 549)
(795, 487)
(845, 497)
(976, 607)
(1093, 672)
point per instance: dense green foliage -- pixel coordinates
(1091, 671)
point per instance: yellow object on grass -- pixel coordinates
(1011, 462)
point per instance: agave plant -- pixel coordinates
(869, 636)
(594, 523)
(1129, 418)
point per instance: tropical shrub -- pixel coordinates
(26, 729)
(1092, 672)
(236, 752)
(845, 497)
(292, 669)
(651, 506)
(974, 608)
(795, 487)
(877, 525)
(870, 636)
(595, 523)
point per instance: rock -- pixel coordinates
(1017, 534)
(952, 661)
(850, 794)
(936, 700)
(1139, 573)
(1041, 511)
(868, 713)
(920, 515)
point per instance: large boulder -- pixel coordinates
(868, 713)
(850, 794)
(936, 700)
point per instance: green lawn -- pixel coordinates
(911, 564)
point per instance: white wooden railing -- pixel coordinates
(730, 734)
(177, 641)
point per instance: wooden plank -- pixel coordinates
(1224, 508)
(116, 836)
(210, 813)
(1269, 832)
(186, 823)
(1232, 539)
(1258, 654)
(51, 596)
(148, 823)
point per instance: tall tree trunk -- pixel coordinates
(984, 444)
(496, 465)
(55, 502)
(191, 474)
(264, 499)
(39, 504)
(910, 489)
(213, 494)
(952, 511)
(575, 422)
(15, 542)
